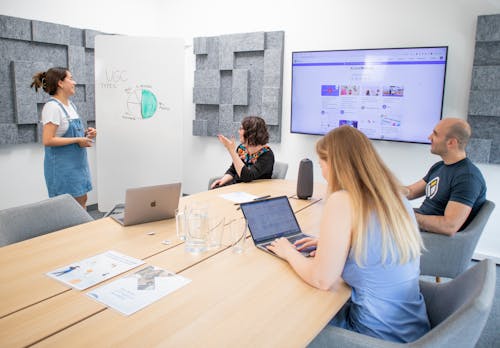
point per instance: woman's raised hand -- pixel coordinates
(229, 144)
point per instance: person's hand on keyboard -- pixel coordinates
(306, 246)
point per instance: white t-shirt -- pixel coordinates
(53, 113)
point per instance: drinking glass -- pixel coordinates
(239, 229)
(215, 231)
(181, 223)
(197, 228)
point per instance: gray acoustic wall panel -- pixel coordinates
(76, 62)
(89, 38)
(28, 47)
(25, 97)
(200, 45)
(76, 37)
(484, 99)
(8, 133)
(50, 33)
(239, 88)
(238, 75)
(488, 28)
(15, 28)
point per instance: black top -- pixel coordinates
(257, 166)
(460, 182)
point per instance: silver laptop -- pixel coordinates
(270, 219)
(146, 204)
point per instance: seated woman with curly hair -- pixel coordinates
(253, 158)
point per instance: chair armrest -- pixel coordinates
(333, 337)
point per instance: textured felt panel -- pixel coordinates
(90, 101)
(484, 102)
(76, 63)
(50, 33)
(225, 114)
(28, 47)
(25, 97)
(200, 45)
(487, 53)
(75, 37)
(488, 28)
(27, 133)
(479, 149)
(89, 38)
(239, 95)
(486, 77)
(249, 81)
(270, 105)
(485, 128)
(484, 99)
(15, 28)
(6, 94)
(8, 133)
(200, 127)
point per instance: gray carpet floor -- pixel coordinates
(490, 338)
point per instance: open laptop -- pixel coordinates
(270, 219)
(149, 203)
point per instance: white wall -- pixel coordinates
(310, 25)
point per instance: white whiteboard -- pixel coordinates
(138, 93)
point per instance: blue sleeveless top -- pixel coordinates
(386, 301)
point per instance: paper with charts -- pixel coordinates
(86, 273)
(129, 294)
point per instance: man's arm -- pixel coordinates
(416, 190)
(454, 217)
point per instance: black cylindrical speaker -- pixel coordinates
(305, 179)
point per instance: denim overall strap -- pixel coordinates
(66, 167)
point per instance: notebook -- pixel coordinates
(149, 203)
(270, 219)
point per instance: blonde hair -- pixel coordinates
(356, 167)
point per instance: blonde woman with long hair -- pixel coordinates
(368, 238)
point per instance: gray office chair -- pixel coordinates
(457, 311)
(450, 256)
(32, 220)
(279, 172)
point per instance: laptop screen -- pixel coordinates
(270, 218)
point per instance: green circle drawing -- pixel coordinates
(148, 104)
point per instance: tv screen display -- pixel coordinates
(388, 94)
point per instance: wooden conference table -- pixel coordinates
(248, 299)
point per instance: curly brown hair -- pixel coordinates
(255, 131)
(48, 80)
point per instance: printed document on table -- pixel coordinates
(86, 273)
(239, 197)
(138, 290)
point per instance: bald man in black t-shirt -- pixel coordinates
(454, 188)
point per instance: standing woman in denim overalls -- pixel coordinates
(66, 167)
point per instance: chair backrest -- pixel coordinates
(458, 309)
(32, 220)
(211, 181)
(449, 256)
(279, 170)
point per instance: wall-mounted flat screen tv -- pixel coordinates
(388, 94)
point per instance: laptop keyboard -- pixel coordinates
(295, 238)
(290, 239)
(306, 252)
